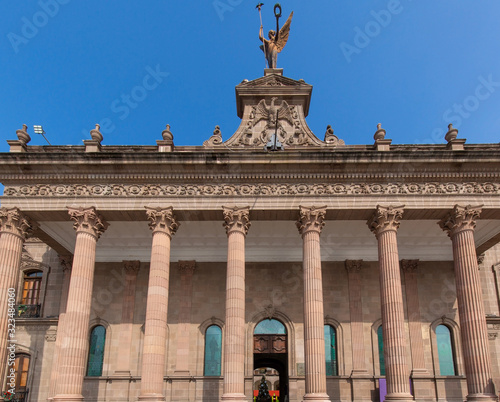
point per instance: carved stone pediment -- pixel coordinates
(272, 107)
(273, 80)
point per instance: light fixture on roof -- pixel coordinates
(39, 130)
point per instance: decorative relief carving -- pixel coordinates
(331, 138)
(131, 268)
(51, 335)
(87, 220)
(385, 218)
(215, 139)
(27, 262)
(409, 265)
(492, 335)
(187, 267)
(461, 218)
(311, 219)
(270, 311)
(162, 220)
(236, 219)
(260, 189)
(13, 221)
(66, 262)
(353, 265)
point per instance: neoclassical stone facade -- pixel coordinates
(176, 273)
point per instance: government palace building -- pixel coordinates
(275, 265)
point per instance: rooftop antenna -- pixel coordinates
(39, 130)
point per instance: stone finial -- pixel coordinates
(167, 134)
(454, 143)
(451, 134)
(380, 133)
(95, 134)
(23, 135)
(215, 139)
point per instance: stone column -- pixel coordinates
(384, 224)
(186, 269)
(131, 269)
(310, 224)
(460, 225)
(15, 228)
(73, 352)
(237, 224)
(66, 262)
(409, 268)
(164, 225)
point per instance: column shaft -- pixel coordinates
(237, 224)
(460, 225)
(14, 229)
(310, 223)
(385, 224)
(164, 226)
(73, 352)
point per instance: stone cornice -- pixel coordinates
(253, 189)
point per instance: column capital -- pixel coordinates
(353, 266)
(13, 221)
(385, 219)
(131, 268)
(236, 219)
(409, 265)
(162, 220)
(311, 219)
(187, 267)
(87, 220)
(66, 262)
(460, 219)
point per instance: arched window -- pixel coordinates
(331, 350)
(213, 351)
(446, 354)
(270, 327)
(96, 351)
(380, 337)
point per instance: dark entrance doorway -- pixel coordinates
(270, 356)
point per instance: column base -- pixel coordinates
(316, 397)
(399, 397)
(482, 397)
(68, 398)
(233, 397)
(152, 398)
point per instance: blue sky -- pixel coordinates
(132, 66)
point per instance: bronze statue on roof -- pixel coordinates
(277, 39)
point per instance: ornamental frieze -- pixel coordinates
(259, 189)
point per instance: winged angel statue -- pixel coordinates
(277, 39)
